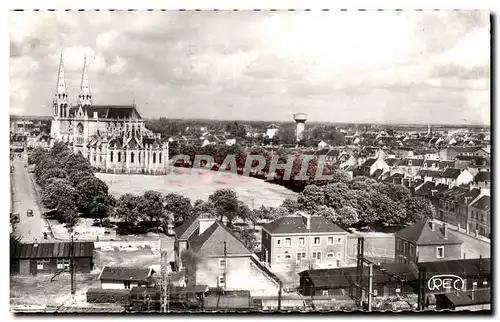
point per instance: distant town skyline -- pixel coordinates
(339, 67)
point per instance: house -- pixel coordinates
(452, 153)
(50, 258)
(323, 145)
(456, 177)
(426, 242)
(480, 216)
(447, 203)
(373, 167)
(410, 166)
(334, 283)
(483, 179)
(304, 240)
(209, 253)
(429, 175)
(271, 130)
(463, 203)
(464, 301)
(119, 278)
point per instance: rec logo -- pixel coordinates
(446, 282)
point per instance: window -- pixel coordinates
(412, 250)
(339, 255)
(222, 263)
(375, 292)
(324, 292)
(288, 256)
(159, 157)
(154, 157)
(40, 263)
(405, 249)
(301, 256)
(330, 255)
(278, 258)
(317, 241)
(330, 241)
(126, 284)
(440, 252)
(278, 242)
(132, 157)
(339, 240)
(221, 280)
(301, 241)
(288, 242)
(62, 263)
(119, 157)
(139, 157)
(111, 156)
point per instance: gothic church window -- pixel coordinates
(119, 156)
(159, 158)
(132, 157)
(154, 157)
(111, 156)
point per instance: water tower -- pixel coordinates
(300, 120)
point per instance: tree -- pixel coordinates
(347, 216)
(340, 176)
(286, 135)
(418, 208)
(247, 238)
(88, 189)
(179, 206)
(225, 203)
(338, 195)
(59, 148)
(59, 195)
(102, 206)
(291, 205)
(396, 192)
(76, 162)
(50, 174)
(203, 207)
(388, 211)
(311, 198)
(36, 155)
(327, 212)
(276, 213)
(75, 177)
(154, 207)
(127, 210)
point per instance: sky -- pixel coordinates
(337, 66)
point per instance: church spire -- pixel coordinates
(85, 98)
(61, 100)
(61, 83)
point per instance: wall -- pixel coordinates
(427, 253)
(308, 248)
(115, 285)
(237, 272)
(127, 245)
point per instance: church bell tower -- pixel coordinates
(61, 100)
(85, 97)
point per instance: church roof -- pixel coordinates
(113, 111)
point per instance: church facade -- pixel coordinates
(112, 137)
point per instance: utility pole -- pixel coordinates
(279, 295)
(370, 289)
(225, 265)
(72, 268)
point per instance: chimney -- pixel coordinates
(307, 219)
(431, 224)
(445, 231)
(205, 223)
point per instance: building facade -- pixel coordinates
(305, 241)
(114, 138)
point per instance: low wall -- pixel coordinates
(127, 245)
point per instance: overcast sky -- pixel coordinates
(411, 67)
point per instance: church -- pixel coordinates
(112, 137)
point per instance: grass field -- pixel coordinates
(199, 184)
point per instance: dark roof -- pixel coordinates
(465, 298)
(322, 152)
(465, 149)
(454, 193)
(415, 162)
(335, 277)
(483, 176)
(296, 224)
(51, 250)
(113, 111)
(185, 230)
(369, 162)
(484, 203)
(377, 173)
(451, 173)
(422, 234)
(125, 274)
(468, 197)
(461, 267)
(429, 173)
(390, 161)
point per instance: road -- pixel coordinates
(24, 198)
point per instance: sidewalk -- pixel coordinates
(463, 232)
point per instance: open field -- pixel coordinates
(199, 184)
(133, 258)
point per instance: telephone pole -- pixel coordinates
(72, 268)
(370, 289)
(279, 295)
(225, 265)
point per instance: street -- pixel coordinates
(29, 228)
(472, 247)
